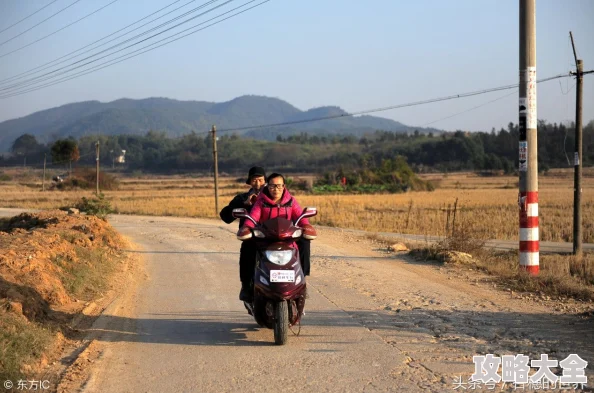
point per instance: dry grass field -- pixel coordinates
(480, 207)
(485, 205)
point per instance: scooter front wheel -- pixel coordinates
(281, 322)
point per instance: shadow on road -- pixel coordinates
(180, 252)
(211, 328)
(475, 332)
(333, 257)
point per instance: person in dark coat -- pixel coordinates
(247, 253)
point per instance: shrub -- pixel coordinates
(86, 178)
(297, 184)
(97, 206)
(20, 343)
(391, 176)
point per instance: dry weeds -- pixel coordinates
(53, 263)
(486, 205)
(559, 276)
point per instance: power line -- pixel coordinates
(31, 28)
(21, 75)
(60, 162)
(568, 88)
(415, 103)
(410, 104)
(121, 43)
(583, 73)
(52, 163)
(113, 61)
(41, 78)
(470, 109)
(57, 31)
(136, 36)
(65, 161)
(28, 16)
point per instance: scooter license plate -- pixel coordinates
(282, 276)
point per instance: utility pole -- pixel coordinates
(216, 168)
(528, 159)
(43, 181)
(97, 160)
(577, 159)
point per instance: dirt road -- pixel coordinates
(375, 321)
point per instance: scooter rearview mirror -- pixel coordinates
(307, 212)
(239, 213)
(242, 213)
(310, 211)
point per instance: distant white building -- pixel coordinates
(121, 158)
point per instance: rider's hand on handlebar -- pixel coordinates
(309, 232)
(244, 233)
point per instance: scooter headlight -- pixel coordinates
(297, 233)
(258, 233)
(279, 257)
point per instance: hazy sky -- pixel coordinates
(354, 54)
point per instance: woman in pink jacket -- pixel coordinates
(274, 201)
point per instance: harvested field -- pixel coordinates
(485, 204)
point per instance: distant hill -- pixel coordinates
(127, 116)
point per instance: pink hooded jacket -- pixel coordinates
(264, 209)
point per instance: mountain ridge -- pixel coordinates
(176, 117)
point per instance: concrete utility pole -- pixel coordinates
(528, 159)
(577, 159)
(97, 160)
(216, 168)
(43, 181)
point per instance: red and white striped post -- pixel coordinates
(528, 159)
(529, 238)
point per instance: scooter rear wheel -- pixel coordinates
(281, 323)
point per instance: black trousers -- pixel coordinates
(304, 253)
(247, 258)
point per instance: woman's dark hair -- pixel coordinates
(274, 175)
